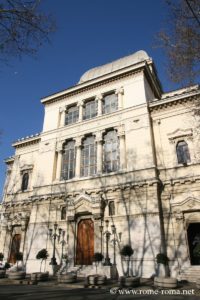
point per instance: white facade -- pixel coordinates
(150, 189)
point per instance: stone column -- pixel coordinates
(72, 240)
(80, 105)
(59, 151)
(78, 157)
(180, 238)
(99, 99)
(23, 234)
(97, 233)
(8, 240)
(120, 93)
(3, 234)
(99, 142)
(62, 116)
(122, 150)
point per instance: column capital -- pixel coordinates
(80, 103)
(62, 109)
(78, 141)
(59, 147)
(120, 91)
(98, 136)
(99, 97)
(120, 130)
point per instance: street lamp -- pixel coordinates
(101, 231)
(62, 244)
(113, 228)
(107, 234)
(54, 235)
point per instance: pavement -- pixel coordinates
(50, 290)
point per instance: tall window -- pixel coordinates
(90, 109)
(72, 115)
(68, 161)
(63, 213)
(110, 103)
(111, 152)
(25, 179)
(88, 157)
(111, 208)
(182, 151)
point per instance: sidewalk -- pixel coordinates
(81, 283)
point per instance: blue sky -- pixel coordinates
(89, 33)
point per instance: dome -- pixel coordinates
(114, 66)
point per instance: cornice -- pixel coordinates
(92, 84)
(27, 141)
(174, 100)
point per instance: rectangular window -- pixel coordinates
(110, 103)
(90, 110)
(72, 115)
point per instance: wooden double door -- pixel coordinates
(85, 242)
(15, 246)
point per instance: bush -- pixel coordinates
(7, 265)
(98, 257)
(127, 251)
(19, 256)
(42, 254)
(162, 259)
(1, 256)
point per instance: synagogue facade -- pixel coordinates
(116, 154)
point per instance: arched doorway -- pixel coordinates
(193, 233)
(15, 246)
(85, 242)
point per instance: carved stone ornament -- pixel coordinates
(121, 130)
(179, 217)
(62, 109)
(179, 134)
(120, 91)
(99, 97)
(186, 204)
(80, 103)
(26, 168)
(78, 140)
(59, 146)
(98, 135)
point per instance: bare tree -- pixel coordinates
(181, 40)
(23, 27)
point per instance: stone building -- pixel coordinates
(113, 148)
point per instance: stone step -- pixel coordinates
(190, 274)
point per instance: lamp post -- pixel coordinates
(101, 231)
(62, 244)
(113, 228)
(54, 235)
(107, 234)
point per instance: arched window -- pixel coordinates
(25, 179)
(182, 151)
(68, 161)
(88, 157)
(63, 213)
(111, 152)
(111, 208)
